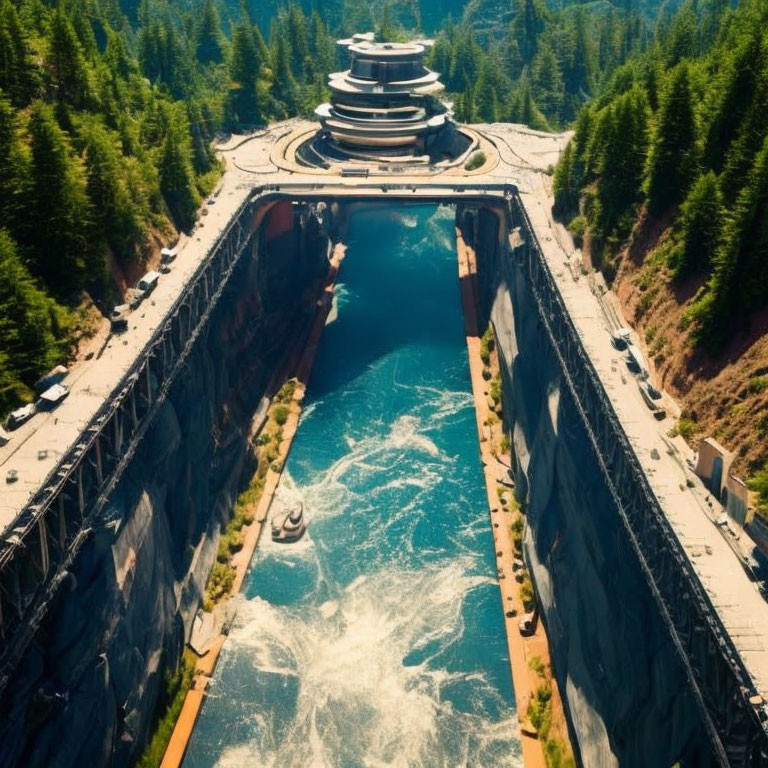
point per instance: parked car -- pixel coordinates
(134, 297)
(21, 416)
(645, 390)
(527, 624)
(53, 397)
(118, 318)
(167, 255)
(620, 338)
(636, 362)
(652, 391)
(55, 376)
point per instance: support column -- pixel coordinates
(44, 560)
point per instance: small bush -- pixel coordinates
(537, 665)
(686, 428)
(286, 391)
(281, 414)
(505, 443)
(578, 228)
(758, 384)
(219, 584)
(526, 593)
(540, 710)
(495, 390)
(478, 160)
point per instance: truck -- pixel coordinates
(636, 362)
(52, 398)
(148, 283)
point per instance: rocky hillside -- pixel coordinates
(667, 181)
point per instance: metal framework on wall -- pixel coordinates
(37, 553)
(719, 681)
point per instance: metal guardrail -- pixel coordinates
(730, 742)
(39, 547)
(48, 540)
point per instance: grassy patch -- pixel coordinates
(526, 593)
(537, 665)
(177, 684)
(578, 228)
(478, 160)
(280, 414)
(686, 428)
(540, 715)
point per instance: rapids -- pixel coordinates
(378, 639)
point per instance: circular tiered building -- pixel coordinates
(385, 107)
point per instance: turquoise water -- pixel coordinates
(378, 639)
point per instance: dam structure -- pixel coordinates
(657, 634)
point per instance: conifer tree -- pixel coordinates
(66, 65)
(548, 82)
(14, 170)
(177, 180)
(284, 86)
(623, 159)
(298, 36)
(245, 69)
(700, 222)
(117, 210)
(210, 39)
(673, 158)
(564, 186)
(62, 214)
(321, 47)
(739, 283)
(28, 318)
(485, 99)
(530, 20)
(17, 77)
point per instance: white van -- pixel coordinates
(148, 283)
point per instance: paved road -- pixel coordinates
(521, 158)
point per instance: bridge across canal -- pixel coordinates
(729, 680)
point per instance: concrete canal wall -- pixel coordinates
(625, 690)
(86, 692)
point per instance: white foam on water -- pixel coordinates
(327, 495)
(357, 702)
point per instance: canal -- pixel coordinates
(378, 639)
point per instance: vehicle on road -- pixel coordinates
(651, 401)
(21, 416)
(53, 397)
(620, 338)
(148, 283)
(652, 391)
(55, 376)
(118, 318)
(636, 362)
(527, 624)
(134, 297)
(167, 255)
